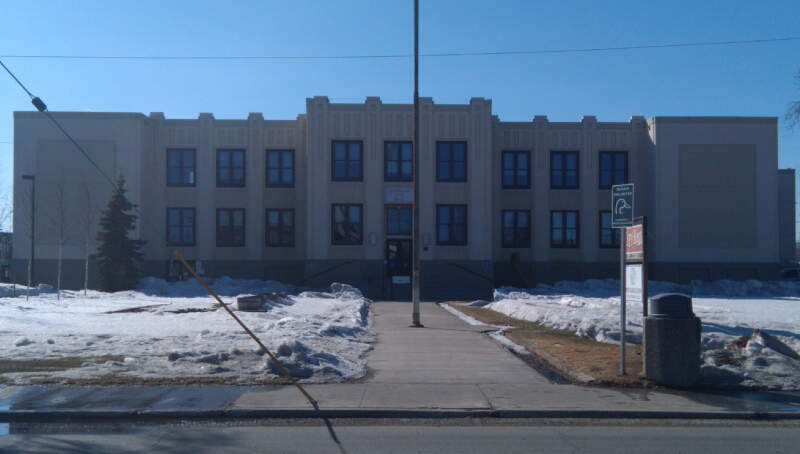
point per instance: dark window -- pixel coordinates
(398, 220)
(230, 168)
(280, 228)
(346, 224)
(280, 168)
(451, 161)
(180, 167)
(451, 224)
(346, 162)
(564, 229)
(180, 226)
(397, 159)
(613, 168)
(564, 169)
(608, 237)
(230, 227)
(516, 228)
(516, 170)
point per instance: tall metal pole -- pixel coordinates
(622, 284)
(415, 321)
(32, 179)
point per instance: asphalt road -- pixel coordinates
(471, 436)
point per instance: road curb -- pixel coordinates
(154, 415)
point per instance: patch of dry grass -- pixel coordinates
(52, 364)
(596, 359)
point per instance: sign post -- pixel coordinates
(622, 217)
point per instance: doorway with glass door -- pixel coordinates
(398, 252)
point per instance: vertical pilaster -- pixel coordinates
(255, 178)
(541, 185)
(589, 184)
(373, 180)
(206, 182)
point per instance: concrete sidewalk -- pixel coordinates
(448, 368)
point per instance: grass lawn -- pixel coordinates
(596, 359)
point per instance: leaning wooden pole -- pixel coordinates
(247, 330)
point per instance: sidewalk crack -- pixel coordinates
(485, 397)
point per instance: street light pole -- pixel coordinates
(32, 179)
(415, 321)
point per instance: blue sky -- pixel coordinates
(727, 80)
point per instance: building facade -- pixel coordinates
(327, 196)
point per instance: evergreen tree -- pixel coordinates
(119, 256)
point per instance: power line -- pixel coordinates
(42, 107)
(399, 56)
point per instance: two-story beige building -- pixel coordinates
(326, 196)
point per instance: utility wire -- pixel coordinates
(42, 107)
(398, 56)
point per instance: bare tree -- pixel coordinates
(60, 225)
(793, 112)
(89, 219)
(6, 210)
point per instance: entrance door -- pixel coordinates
(398, 268)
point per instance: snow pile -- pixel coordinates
(223, 286)
(591, 309)
(172, 330)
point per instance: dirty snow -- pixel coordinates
(175, 330)
(728, 310)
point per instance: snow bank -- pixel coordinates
(591, 309)
(173, 330)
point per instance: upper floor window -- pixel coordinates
(564, 229)
(280, 227)
(451, 161)
(230, 168)
(451, 224)
(346, 224)
(564, 169)
(230, 227)
(180, 226)
(397, 158)
(516, 170)
(346, 162)
(608, 237)
(180, 167)
(280, 168)
(516, 228)
(613, 168)
(398, 220)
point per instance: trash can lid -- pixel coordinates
(670, 305)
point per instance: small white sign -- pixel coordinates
(633, 283)
(401, 279)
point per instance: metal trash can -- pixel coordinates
(672, 341)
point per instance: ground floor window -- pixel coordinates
(180, 226)
(451, 225)
(280, 227)
(608, 237)
(564, 229)
(230, 227)
(346, 223)
(516, 228)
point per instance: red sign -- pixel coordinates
(634, 243)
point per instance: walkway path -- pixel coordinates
(450, 365)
